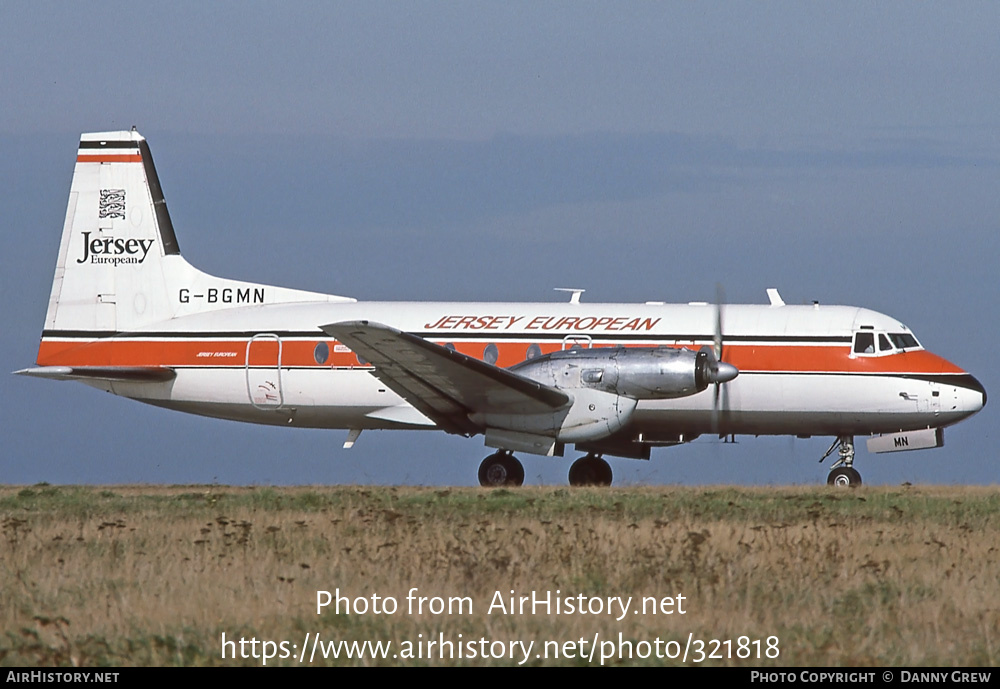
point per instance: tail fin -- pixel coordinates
(116, 235)
(120, 266)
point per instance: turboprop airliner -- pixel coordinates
(128, 315)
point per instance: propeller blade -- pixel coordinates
(715, 411)
(718, 371)
(720, 300)
(725, 407)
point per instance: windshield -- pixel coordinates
(868, 342)
(904, 341)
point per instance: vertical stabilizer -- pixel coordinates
(116, 238)
(120, 267)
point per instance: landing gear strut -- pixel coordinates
(501, 469)
(590, 470)
(843, 473)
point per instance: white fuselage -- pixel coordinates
(798, 373)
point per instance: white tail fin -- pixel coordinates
(119, 266)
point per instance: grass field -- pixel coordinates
(143, 575)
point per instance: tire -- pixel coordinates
(500, 469)
(844, 477)
(515, 471)
(590, 471)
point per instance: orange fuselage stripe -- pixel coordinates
(300, 353)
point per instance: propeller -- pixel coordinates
(713, 371)
(721, 372)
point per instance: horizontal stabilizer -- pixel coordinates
(444, 385)
(138, 374)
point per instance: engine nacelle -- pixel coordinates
(605, 386)
(591, 415)
(640, 373)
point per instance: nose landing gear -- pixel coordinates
(843, 473)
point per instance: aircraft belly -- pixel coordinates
(314, 398)
(340, 417)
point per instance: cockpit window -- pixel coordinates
(864, 343)
(882, 343)
(904, 340)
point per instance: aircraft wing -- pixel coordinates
(441, 383)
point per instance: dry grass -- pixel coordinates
(154, 575)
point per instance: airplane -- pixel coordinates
(128, 315)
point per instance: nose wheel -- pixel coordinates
(844, 477)
(590, 470)
(843, 473)
(501, 469)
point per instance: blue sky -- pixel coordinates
(848, 153)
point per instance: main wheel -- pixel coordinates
(590, 471)
(844, 477)
(501, 469)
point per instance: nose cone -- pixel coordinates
(970, 395)
(976, 386)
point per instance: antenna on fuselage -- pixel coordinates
(575, 297)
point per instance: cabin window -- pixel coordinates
(321, 353)
(534, 351)
(491, 353)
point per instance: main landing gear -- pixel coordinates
(843, 473)
(590, 470)
(501, 469)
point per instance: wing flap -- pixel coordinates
(403, 413)
(441, 383)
